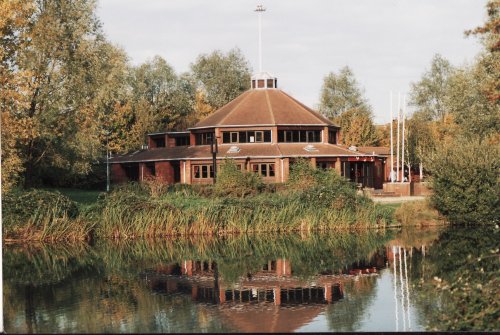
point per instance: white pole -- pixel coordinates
(395, 277)
(407, 293)
(392, 145)
(397, 138)
(403, 140)
(402, 290)
(260, 9)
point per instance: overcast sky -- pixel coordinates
(387, 43)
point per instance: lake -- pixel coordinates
(328, 282)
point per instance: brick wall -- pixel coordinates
(165, 171)
(118, 174)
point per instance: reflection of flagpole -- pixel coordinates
(402, 290)
(407, 293)
(395, 286)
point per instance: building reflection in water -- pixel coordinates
(273, 284)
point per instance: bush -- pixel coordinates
(320, 187)
(21, 206)
(465, 181)
(417, 213)
(39, 214)
(233, 182)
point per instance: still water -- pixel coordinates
(259, 283)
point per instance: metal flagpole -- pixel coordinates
(260, 9)
(392, 145)
(397, 138)
(403, 141)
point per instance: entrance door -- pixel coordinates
(176, 166)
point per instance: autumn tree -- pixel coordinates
(14, 21)
(66, 65)
(342, 101)
(221, 77)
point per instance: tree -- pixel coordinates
(469, 102)
(341, 93)
(357, 127)
(465, 181)
(429, 94)
(14, 21)
(64, 64)
(342, 100)
(222, 77)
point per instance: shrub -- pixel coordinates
(465, 181)
(21, 206)
(40, 214)
(233, 182)
(417, 213)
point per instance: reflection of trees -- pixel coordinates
(459, 288)
(244, 254)
(346, 314)
(79, 288)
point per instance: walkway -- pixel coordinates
(398, 199)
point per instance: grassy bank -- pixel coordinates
(239, 203)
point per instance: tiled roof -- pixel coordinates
(263, 107)
(382, 151)
(253, 150)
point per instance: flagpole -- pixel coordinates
(392, 144)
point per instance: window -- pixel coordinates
(264, 169)
(325, 165)
(159, 142)
(297, 136)
(258, 136)
(332, 137)
(181, 141)
(204, 138)
(204, 171)
(234, 137)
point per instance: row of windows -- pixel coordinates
(205, 171)
(264, 169)
(258, 136)
(264, 136)
(296, 136)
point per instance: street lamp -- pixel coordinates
(214, 149)
(107, 162)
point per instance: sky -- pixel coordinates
(388, 44)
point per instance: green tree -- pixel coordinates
(465, 181)
(66, 63)
(342, 100)
(221, 76)
(429, 94)
(341, 93)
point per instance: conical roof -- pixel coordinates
(263, 107)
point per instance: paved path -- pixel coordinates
(398, 199)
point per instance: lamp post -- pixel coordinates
(107, 162)
(214, 149)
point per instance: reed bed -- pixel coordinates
(313, 200)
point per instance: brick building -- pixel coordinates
(264, 130)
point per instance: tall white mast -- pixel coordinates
(260, 9)
(403, 140)
(392, 149)
(397, 137)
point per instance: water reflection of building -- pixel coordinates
(273, 283)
